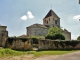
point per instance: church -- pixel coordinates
(50, 20)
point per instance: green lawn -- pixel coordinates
(9, 52)
(40, 53)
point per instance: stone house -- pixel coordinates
(50, 20)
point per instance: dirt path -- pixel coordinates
(70, 56)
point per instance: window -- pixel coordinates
(49, 19)
(55, 21)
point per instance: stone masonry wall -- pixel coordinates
(19, 44)
(37, 31)
(3, 37)
(58, 45)
(27, 44)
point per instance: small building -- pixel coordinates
(50, 20)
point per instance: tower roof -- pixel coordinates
(50, 13)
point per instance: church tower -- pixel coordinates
(51, 19)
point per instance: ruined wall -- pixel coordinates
(19, 43)
(27, 44)
(3, 35)
(58, 45)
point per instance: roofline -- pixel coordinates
(4, 26)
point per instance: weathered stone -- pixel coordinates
(3, 35)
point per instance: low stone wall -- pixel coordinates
(58, 45)
(28, 44)
(19, 43)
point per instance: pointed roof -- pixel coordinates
(50, 13)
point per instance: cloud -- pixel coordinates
(77, 17)
(30, 15)
(24, 17)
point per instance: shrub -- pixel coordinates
(59, 36)
(55, 33)
(55, 37)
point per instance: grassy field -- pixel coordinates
(9, 52)
(40, 53)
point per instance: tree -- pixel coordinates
(78, 38)
(55, 33)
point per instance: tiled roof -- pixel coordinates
(50, 13)
(37, 25)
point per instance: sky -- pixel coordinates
(19, 14)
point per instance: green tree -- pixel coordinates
(78, 38)
(55, 33)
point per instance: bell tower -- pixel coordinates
(51, 19)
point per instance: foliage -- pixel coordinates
(9, 52)
(55, 30)
(78, 38)
(55, 33)
(37, 37)
(10, 39)
(59, 36)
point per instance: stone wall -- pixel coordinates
(66, 34)
(58, 45)
(37, 31)
(3, 35)
(27, 44)
(19, 43)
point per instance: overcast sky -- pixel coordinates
(19, 14)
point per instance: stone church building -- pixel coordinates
(50, 20)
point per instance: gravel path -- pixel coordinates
(69, 56)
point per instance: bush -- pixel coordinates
(55, 33)
(59, 36)
(55, 37)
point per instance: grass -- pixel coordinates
(9, 52)
(41, 53)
